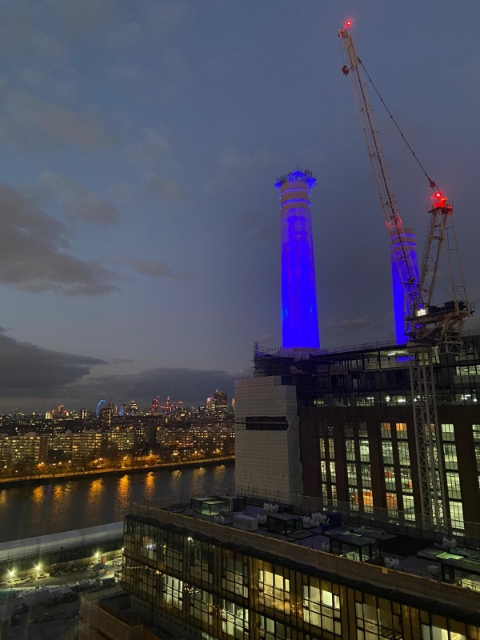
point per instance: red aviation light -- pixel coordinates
(438, 194)
(348, 24)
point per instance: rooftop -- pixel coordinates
(418, 568)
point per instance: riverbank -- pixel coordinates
(51, 478)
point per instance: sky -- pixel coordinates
(139, 144)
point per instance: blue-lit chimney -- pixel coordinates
(409, 243)
(299, 290)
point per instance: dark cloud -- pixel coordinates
(79, 203)
(19, 35)
(26, 122)
(31, 371)
(124, 194)
(166, 187)
(237, 167)
(33, 254)
(164, 18)
(42, 378)
(129, 74)
(176, 73)
(192, 386)
(256, 224)
(155, 269)
(125, 36)
(345, 327)
(153, 146)
(83, 15)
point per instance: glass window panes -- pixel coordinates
(387, 452)
(401, 428)
(450, 455)
(448, 433)
(385, 430)
(453, 485)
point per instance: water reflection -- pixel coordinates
(122, 499)
(30, 511)
(150, 486)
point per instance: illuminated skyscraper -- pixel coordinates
(408, 243)
(299, 293)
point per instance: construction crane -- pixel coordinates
(429, 327)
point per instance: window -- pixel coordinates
(174, 551)
(234, 620)
(403, 454)
(387, 452)
(362, 430)
(402, 433)
(366, 475)
(321, 607)
(331, 448)
(364, 450)
(275, 589)
(380, 619)
(322, 449)
(456, 515)
(476, 432)
(352, 474)
(389, 478)
(333, 476)
(271, 630)
(350, 449)
(367, 501)
(385, 430)
(172, 591)
(201, 606)
(408, 507)
(201, 559)
(392, 505)
(354, 498)
(453, 485)
(406, 480)
(333, 489)
(323, 469)
(450, 454)
(234, 573)
(348, 429)
(448, 433)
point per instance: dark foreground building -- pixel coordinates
(338, 425)
(269, 575)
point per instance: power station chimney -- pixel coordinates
(406, 242)
(299, 290)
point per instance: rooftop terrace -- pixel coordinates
(418, 569)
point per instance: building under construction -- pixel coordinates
(352, 441)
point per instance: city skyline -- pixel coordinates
(138, 146)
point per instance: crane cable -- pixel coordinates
(431, 182)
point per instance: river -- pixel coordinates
(35, 510)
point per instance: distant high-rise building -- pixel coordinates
(299, 292)
(83, 413)
(132, 408)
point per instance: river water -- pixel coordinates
(36, 510)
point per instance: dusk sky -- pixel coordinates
(139, 144)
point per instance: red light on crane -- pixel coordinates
(348, 24)
(438, 194)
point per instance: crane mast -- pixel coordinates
(428, 326)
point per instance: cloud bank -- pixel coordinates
(34, 252)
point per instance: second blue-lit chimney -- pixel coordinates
(299, 290)
(408, 241)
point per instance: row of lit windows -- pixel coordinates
(285, 600)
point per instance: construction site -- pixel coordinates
(356, 508)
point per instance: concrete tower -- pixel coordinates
(408, 241)
(299, 292)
